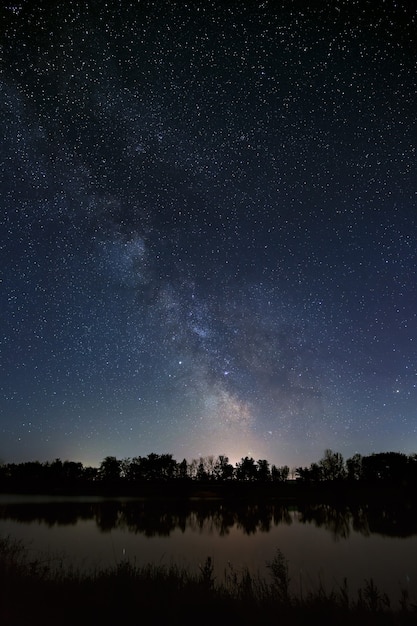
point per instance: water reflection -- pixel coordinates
(388, 521)
(150, 518)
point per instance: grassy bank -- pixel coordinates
(44, 592)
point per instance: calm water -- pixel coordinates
(321, 543)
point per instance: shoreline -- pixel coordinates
(126, 591)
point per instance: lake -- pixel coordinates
(322, 543)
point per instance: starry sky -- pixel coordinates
(208, 229)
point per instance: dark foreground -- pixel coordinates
(41, 592)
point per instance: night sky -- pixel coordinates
(208, 229)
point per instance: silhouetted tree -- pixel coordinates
(110, 469)
(354, 467)
(182, 470)
(209, 464)
(332, 466)
(192, 469)
(134, 471)
(263, 473)
(125, 468)
(385, 466)
(168, 466)
(412, 469)
(157, 467)
(72, 473)
(279, 474)
(389, 467)
(90, 474)
(202, 475)
(316, 472)
(246, 469)
(151, 466)
(223, 470)
(313, 473)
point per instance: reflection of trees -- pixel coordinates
(392, 520)
(49, 513)
(249, 519)
(360, 520)
(109, 516)
(282, 515)
(161, 518)
(153, 518)
(336, 521)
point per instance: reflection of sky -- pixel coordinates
(313, 553)
(208, 231)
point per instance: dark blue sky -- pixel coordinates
(209, 235)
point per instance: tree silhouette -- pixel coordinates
(246, 469)
(110, 469)
(223, 470)
(263, 473)
(332, 465)
(392, 468)
(182, 470)
(279, 474)
(385, 466)
(354, 467)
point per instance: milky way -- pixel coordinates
(209, 234)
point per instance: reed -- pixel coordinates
(44, 591)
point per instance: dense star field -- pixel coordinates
(208, 226)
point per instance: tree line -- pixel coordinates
(130, 471)
(387, 467)
(393, 467)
